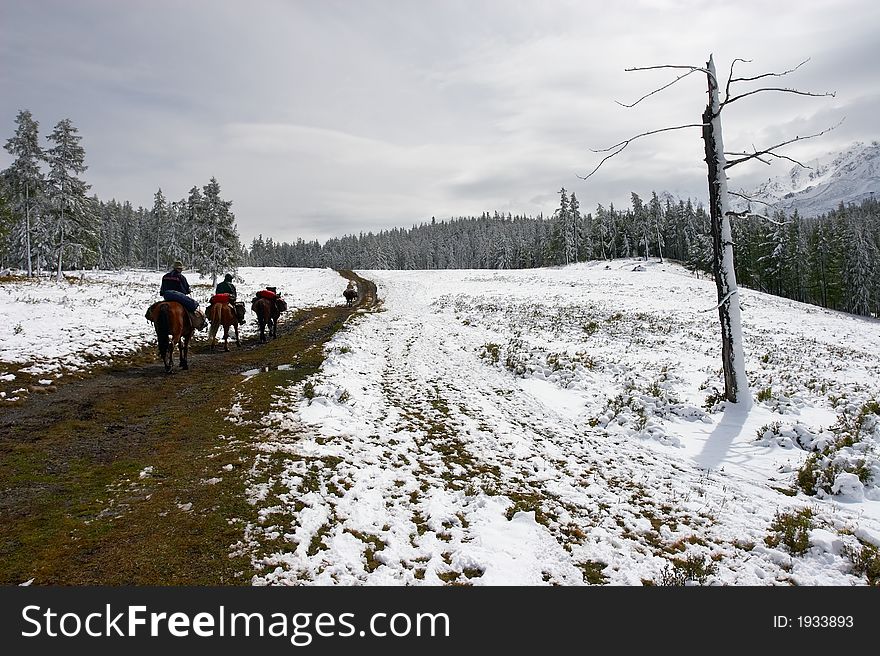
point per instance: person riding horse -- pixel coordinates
(176, 288)
(226, 287)
(268, 305)
(350, 293)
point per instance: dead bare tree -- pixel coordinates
(736, 388)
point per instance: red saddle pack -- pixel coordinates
(265, 293)
(220, 298)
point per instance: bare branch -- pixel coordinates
(721, 302)
(741, 154)
(744, 213)
(665, 86)
(651, 68)
(832, 94)
(758, 77)
(623, 144)
(748, 212)
(749, 198)
(730, 77)
(769, 151)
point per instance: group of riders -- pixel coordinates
(175, 287)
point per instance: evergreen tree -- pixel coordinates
(25, 183)
(860, 265)
(160, 223)
(193, 222)
(576, 230)
(217, 244)
(74, 227)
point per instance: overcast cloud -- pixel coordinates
(326, 118)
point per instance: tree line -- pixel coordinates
(832, 260)
(49, 222)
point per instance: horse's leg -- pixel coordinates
(212, 336)
(235, 327)
(226, 337)
(168, 358)
(169, 362)
(184, 351)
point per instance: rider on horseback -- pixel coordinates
(226, 287)
(350, 293)
(176, 288)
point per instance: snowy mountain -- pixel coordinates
(847, 177)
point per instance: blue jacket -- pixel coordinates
(174, 281)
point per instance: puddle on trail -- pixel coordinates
(250, 373)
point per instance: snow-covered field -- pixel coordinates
(53, 329)
(551, 426)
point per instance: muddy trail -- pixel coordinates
(135, 476)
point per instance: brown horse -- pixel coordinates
(267, 312)
(222, 314)
(350, 294)
(173, 328)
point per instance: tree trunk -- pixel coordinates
(27, 228)
(61, 247)
(736, 388)
(659, 241)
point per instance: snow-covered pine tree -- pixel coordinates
(557, 249)
(193, 223)
(26, 184)
(7, 222)
(217, 244)
(655, 214)
(74, 224)
(109, 236)
(159, 221)
(575, 232)
(177, 237)
(860, 264)
(639, 225)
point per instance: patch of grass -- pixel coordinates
(791, 530)
(491, 352)
(865, 560)
(787, 491)
(765, 394)
(526, 502)
(821, 468)
(693, 569)
(593, 571)
(374, 544)
(713, 400)
(76, 511)
(448, 577)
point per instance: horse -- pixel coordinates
(222, 314)
(350, 295)
(173, 328)
(267, 315)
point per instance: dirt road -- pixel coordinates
(132, 476)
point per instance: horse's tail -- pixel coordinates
(163, 328)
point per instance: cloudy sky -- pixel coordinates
(322, 118)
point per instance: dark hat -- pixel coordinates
(228, 277)
(272, 289)
(177, 265)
